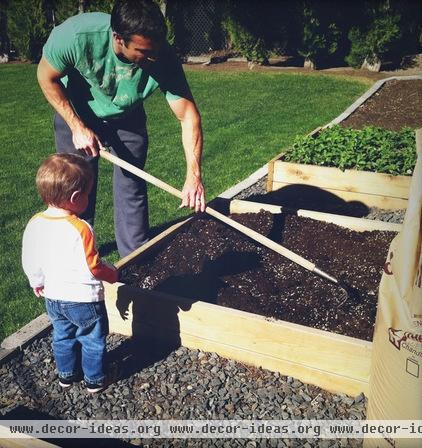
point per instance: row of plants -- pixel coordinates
(370, 149)
(362, 32)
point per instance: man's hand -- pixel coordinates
(83, 137)
(39, 291)
(86, 140)
(193, 194)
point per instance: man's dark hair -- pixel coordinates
(141, 17)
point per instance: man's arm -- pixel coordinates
(84, 138)
(193, 190)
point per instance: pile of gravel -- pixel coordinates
(260, 188)
(185, 384)
(395, 216)
(257, 188)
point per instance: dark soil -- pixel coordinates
(215, 263)
(395, 105)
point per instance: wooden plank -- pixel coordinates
(352, 223)
(25, 335)
(119, 309)
(326, 380)
(27, 442)
(370, 200)
(349, 180)
(282, 340)
(271, 163)
(328, 360)
(242, 206)
(269, 183)
(151, 245)
(418, 133)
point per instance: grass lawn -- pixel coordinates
(247, 119)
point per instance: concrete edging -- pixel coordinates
(23, 337)
(5, 355)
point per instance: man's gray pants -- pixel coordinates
(127, 138)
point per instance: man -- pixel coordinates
(96, 71)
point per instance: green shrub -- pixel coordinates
(63, 9)
(319, 39)
(358, 49)
(171, 36)
(99, 5)
(244, 41)
(28, 27)
(380, 36)
(29, 22)
(4, 38)
(369, 149)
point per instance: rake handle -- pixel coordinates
(140, 173)
(262, 239)
(231, 222)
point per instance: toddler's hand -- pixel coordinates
(39, 291)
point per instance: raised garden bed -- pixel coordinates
(207, 259)
(333, 361)
(350, 187)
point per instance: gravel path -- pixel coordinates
(187, 384)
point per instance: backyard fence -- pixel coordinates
(195, 26)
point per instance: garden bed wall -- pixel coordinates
(334, 362)
(380, 190)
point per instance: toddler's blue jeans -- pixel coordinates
(79, 326)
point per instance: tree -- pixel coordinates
(4, 38)
(97, 5)
(28, 26)
(320, 35)
(377, 37)
(243, 25)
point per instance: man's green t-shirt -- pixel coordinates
(81, 47)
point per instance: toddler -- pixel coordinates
(61, 261)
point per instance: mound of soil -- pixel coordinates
(395, 105)
(212, 262)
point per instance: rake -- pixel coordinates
(301, 261)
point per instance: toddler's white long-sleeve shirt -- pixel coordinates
(60, 254)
